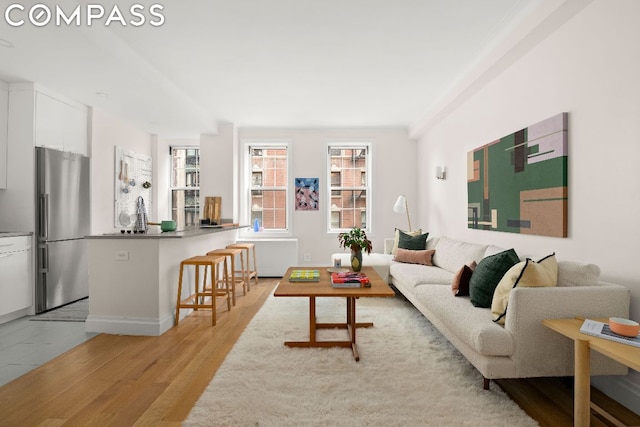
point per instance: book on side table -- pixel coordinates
(305, 276)
(601, 330)
(349, 279)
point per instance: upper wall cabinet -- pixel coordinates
(4, 113)
(59, 125)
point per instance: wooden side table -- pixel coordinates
(622, 353)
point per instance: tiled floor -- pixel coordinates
(26, 344)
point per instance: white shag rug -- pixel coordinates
(408, 374)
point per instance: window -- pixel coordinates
(268, 175)
(185, 186)
(349, 172)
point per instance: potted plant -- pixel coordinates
(356, 240)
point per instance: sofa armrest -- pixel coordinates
(532, 305)
(528, 307)
(388, 245)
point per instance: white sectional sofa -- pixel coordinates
(522, 347)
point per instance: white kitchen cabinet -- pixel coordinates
(16, 289)
(4, 114)
(59, 125)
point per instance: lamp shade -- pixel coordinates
(401, 205)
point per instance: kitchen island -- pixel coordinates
(133, 278)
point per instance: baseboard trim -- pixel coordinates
(128, 325)
(14, 315)
(623, 389)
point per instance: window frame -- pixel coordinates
(368, 187)
(173, 188)
(247, 188)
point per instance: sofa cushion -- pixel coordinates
(396, 238)
(526, 273)
(470, 324)
(413, 274)
(571, 273)
(451, 254)
(460, 283)
(414, 257)
(487, 274)
(416, 242)
(492, 250)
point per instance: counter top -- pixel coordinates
(15, 233)
(155, 233)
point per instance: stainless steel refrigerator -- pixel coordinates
(63, 210)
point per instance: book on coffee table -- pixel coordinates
(305, 276)
(349, 279)
(601, 330)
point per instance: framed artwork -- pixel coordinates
(307, 194)
(518, 183)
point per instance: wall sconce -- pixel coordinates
(441, 173)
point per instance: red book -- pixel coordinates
(350, 277)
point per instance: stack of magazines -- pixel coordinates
(601, 330)
(349, 279)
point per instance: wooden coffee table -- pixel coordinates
(323, 288)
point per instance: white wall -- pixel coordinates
(589, 67)
(109, 131)
(394, 172)
(218, 161)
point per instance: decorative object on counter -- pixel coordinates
(142, 222)
(256, 225)
(356, 240)
(212, 209)
(165, 225)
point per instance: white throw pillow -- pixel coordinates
(571, 273)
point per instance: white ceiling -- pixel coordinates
(262, 63)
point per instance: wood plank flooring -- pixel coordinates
(114, 380)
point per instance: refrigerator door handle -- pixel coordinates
(44, 260)
(44, 217)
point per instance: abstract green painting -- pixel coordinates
(518, 183)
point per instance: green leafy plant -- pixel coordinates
(355, 239)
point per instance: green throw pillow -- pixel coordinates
(414, 243)
(488, 274)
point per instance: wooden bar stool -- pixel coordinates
(204, 297)
(238, 277)
(250, 273)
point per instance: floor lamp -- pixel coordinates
(401, 206)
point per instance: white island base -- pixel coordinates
(133, 278)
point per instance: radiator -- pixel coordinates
(274, 255)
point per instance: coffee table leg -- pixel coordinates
(312, 320)
(351, 326)
(582, 386)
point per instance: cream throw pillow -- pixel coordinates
(528, 274)
(396, 238)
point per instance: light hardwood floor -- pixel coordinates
(115, 380)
